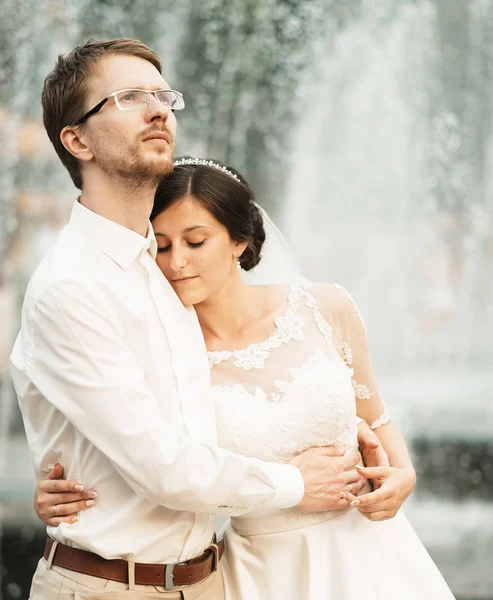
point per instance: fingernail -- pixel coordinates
(92, 494)
(78, 488)
(56, 465)
(355, 503)
(90, 503)
(74, 520)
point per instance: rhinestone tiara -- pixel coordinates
(207, 163)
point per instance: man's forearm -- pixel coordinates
(83, 367)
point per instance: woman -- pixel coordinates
(290, 370)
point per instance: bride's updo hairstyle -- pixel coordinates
(222, 191)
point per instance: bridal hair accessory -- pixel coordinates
(206, 163)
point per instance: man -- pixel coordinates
(111, 370)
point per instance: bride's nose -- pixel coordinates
(178, 259)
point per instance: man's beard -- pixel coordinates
(136, 171)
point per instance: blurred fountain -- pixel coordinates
(380, 197)
(383, 199)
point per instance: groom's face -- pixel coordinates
(121, 140)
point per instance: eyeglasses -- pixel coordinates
(136, 99)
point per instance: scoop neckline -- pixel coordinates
(291, 289)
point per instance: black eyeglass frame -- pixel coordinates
(99, 106)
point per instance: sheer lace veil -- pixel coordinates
(278, 263)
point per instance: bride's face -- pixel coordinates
(195, 251)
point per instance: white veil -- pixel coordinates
(278, 263)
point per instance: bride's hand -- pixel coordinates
(371, 449)
(385, 502)
(59, 501)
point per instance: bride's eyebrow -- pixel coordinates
(195, 227)
(187, 230)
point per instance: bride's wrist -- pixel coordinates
(410, 474)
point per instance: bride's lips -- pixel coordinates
(183, 279)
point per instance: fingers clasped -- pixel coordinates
(384, 502)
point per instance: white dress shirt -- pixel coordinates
(112, 376)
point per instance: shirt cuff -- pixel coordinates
(288, 483)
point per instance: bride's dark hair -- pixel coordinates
(230, 201)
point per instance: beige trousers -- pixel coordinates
(56, 583)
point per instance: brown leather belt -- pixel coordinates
(171, 576)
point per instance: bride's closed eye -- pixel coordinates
(191, 244)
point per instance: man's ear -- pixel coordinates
(75, 142)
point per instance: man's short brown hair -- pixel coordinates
(64, 90)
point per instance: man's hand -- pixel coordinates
(372, 451)
(327, 472)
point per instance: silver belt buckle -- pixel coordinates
(169, 569)
(168, 578)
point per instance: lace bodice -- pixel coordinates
(292, 392)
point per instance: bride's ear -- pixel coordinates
(75, 142)
(240, 247)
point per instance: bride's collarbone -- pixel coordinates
(255, 326)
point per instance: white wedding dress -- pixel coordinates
(298, 389)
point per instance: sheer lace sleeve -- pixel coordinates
(350, 339)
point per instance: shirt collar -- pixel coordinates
(119, 243)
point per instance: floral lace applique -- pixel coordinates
(313, 361)
(239, 389)
(217, 357)
(362, 392)
(383, 419)
(285, 387)
(347, 354)
(253, 356)
(317, 364)
(288, 327)
(323, 326)
(317, 409)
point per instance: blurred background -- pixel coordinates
(365, 128)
